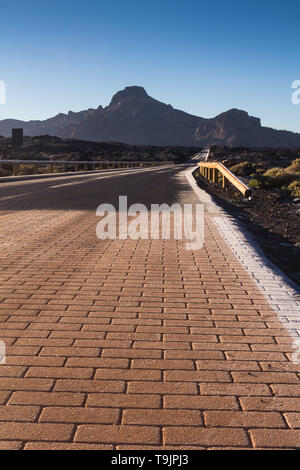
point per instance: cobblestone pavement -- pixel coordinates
(133, 344)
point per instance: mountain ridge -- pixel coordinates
(134, 117)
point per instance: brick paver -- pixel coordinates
(136, 344)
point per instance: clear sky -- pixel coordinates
(203, 57)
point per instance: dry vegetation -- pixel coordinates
(269, 169)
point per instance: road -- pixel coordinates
(134, 344)
(202, 156)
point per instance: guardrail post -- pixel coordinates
(224, 182)
(214, 175)
(15, 169)
(76, 167)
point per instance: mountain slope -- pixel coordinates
(133, 117)
(60, 125)
(236, 128)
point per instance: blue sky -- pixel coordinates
(201, 57)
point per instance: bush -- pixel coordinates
(278, 177)
(243, 169)
(255, 183)
(294, 167)
(294, 188)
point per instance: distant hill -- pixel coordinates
(236, 128)
(55, 126)
(133, 117)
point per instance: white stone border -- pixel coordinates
(278, 290)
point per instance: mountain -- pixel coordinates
(60, 125)
(236, 128)
(133, 117)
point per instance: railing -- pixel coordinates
(217, 173)
(86, 165)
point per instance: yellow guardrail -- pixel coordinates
(217, 173)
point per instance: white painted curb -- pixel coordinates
(279, 291)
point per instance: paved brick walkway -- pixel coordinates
(136, 344)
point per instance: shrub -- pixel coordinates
(278, 177)
(243, 169)
(294, 188)
(255, 183)
(294, 167)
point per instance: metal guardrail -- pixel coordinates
(219, 174)
(87, 165)
(90, 162)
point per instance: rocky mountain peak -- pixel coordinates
(129, 93)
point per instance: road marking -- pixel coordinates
(13, 197)
(69, 184)
(51, 177)
(90, 180)
(115, 174)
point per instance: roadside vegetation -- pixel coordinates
(286, 179)
(266, 169)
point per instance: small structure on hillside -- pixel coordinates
(17, 137)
